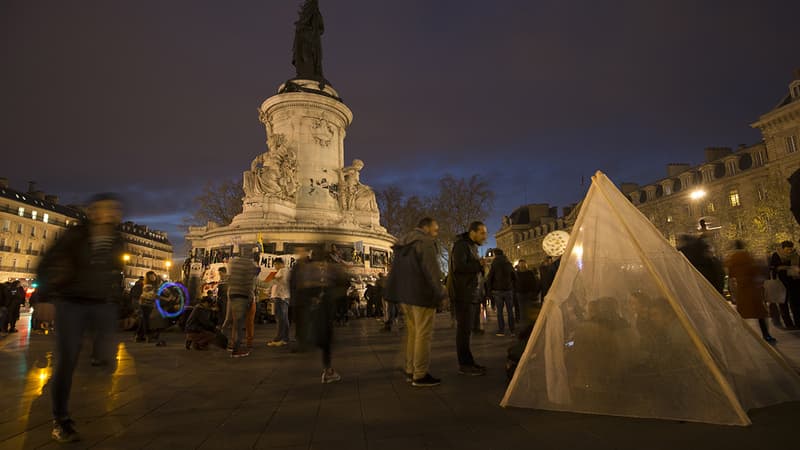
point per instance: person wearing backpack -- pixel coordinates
(415, 282)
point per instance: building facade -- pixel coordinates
(740, 194)
(30, 222)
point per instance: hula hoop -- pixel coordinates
(184, 295)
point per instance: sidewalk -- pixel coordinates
(170, 398)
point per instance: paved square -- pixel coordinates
(171, 398)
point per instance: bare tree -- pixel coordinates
(459, 202)
(219, 203)
(400, 214)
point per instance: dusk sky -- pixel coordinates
(154, 98)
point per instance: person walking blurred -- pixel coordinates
(240, 298)
(749, 291)
(82, 272)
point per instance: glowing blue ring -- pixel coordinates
(184, 295)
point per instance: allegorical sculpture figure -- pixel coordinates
(307, 57)
(353, 195)
(273, 173)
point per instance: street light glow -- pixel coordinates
(697, 194)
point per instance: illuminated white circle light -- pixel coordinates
(555, 243)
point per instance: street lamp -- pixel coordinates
(126, 257)
(697, 194)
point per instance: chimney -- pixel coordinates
(31, 187)
(797, 73)
(4, 182)
(627, 188)
(566, 210)
(675, 169)
(715, 153)
(38, 195)
(51, 198)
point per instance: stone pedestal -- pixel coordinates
(314, 125)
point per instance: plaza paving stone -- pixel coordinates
(171, 398)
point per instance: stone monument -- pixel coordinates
(300, 191)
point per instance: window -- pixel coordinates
(731, 165)
(733, 198)
(44, 234)
(41, 249)
(27, 264)
(45, 218)
(33, 231)
(21, 211)
(14, 263)
(653, 218)
(6, 225)
(34, 214)
(673, 241)
(668, 189)
(710, 207)
(758, 158)
(16, 245)
(2, 242)
(669, 219)
(30, 247)
(707, 177)
(791, 145)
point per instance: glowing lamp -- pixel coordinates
(697, 194)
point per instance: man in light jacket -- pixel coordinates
(415, 282)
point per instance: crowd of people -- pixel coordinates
(82, 271)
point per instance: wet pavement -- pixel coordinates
(171, 398)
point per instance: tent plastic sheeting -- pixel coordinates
(630, 328)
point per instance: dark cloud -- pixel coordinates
(154, 99)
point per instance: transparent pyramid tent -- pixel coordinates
(630, 328)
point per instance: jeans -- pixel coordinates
(250, 324)
(504, 299)
(282, 317)
(239, 307)
(419, 325)
(390, 312)
(143, 330)
(464, 313)
(72, 320)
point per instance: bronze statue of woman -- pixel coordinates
(307, 58)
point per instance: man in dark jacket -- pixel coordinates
(82, 272)
(500, 283)
(16, 298)
(416, 283)
(526, 290)
(463, 283)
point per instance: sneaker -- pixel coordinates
(427, 381)
(239, 353)
(409, 377)
(331, 377)
(473, 371)
(770, 340)
(500, 333)
(64, 432)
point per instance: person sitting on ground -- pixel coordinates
(201, 326)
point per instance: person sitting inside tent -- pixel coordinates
(201, 326)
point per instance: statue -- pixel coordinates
(274, 172)
(354, 196)
(307, 49)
